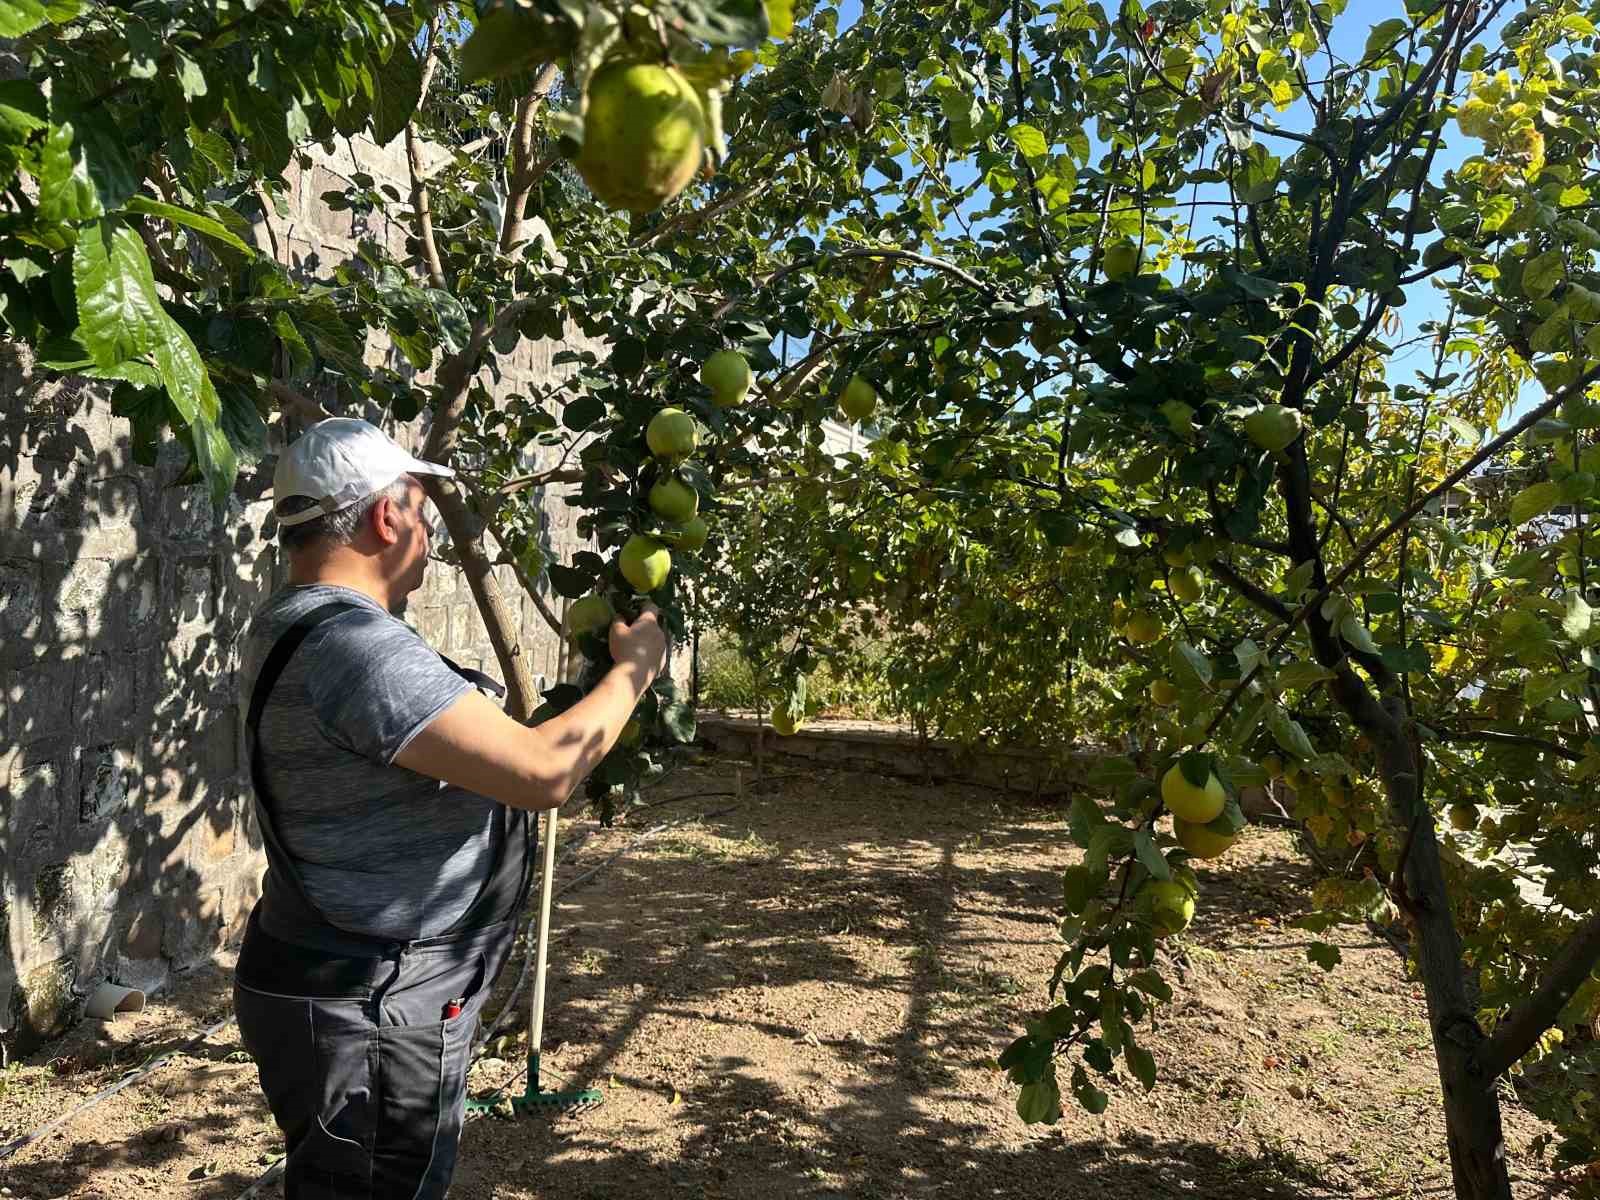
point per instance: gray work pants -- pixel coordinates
(369, 1087)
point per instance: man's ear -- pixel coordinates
(385, 521)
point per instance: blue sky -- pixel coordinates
(1350, 31)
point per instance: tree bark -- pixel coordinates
(504, 627)
(1471, 1105)
(1473, 1131)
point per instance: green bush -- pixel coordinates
(854, 687)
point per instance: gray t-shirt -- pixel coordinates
(381, 850)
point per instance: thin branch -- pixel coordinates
(523, 482)
(695, 216)
(531, 587)
(1496, 738)
(162, 266)
(1252, 592)
(1521, 1030)
(935, 264)
(421, 204)
(266, 222)
(525, 173)
(296, 402)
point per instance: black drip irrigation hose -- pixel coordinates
(133, 1076)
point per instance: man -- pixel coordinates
(394, 802)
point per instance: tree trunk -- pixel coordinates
(505, 630)
(1471, 1104)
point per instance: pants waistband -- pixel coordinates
(338, 966)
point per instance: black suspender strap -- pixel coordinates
(284, 891)
(476, 678)
(278, 658)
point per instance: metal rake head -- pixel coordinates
(536, 1101)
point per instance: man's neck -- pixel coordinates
(335, 573)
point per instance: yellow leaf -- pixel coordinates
(780, 18)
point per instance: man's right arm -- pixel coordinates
(474, 745)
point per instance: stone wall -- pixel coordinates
(127, 846)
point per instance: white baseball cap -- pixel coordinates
(338, 461)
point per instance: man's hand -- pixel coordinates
(474, 745)
(642, 644)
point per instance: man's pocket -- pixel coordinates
(315, 1058)
(422, 1073)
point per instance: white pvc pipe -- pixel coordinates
(547, 878)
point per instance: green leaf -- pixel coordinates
(1286, 731)
(1299, 579)
(1141, 1062)
(1231, 820)
(263, 122)
(1578, 618)
(190, 77)
(183, 373)
(1080, 885)
(66, 193)
(511, 38)
(581, 413)
(677, 718)
(1152, 985)
(1358, 635)
(241, 421)
(18, 17)
(1381, 41)
(214, 453)
(1083, 818)
(1324, 954)
(1542, 273)
(1039, 1102)
(1029, 140)
(1091, 1098)
(1197, 767)
(209, 227)
(119, 311)
(569, 582)
(1144, 847)
(780, 18)
(1533, 501)
(23, 109)
(1301, 675)
(394, 99)
(723, 23)
(1189, 664)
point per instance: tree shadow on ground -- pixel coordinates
(861, 886)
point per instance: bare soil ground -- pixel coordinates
(798, 998)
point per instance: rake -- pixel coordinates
(534, 1098)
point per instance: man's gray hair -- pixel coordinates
(336, 528)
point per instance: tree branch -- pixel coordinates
(1497, 738)
(523, 482)
(296, 403)
(1252, 592)
(524, 173)
(421, 204)
(1521, 1030)
(696, 215)
(935, 264)
(1366, 549)
(531, 587)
